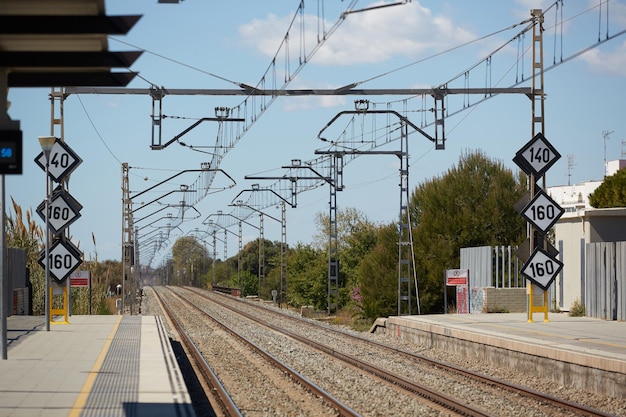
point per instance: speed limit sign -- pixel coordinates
(541, 268)
(61, 162)
(536, 156)
(63, 210)
(63, 259)
(542, 211)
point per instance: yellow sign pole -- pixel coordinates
(60, 311)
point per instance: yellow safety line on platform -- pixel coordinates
(81, 400)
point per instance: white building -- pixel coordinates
(579, 225)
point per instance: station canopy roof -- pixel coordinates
(62, 43)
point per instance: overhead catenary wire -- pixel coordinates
(472, 105)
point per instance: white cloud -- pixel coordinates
(604, 62)
(367, 37)
(314, 102)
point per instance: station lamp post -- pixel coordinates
(47, 142)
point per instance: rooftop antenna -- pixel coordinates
(570, 165)
(605, 135)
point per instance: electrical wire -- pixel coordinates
(96, 130)
(454, 48)
(219, 77)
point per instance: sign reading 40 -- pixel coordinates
(63, 160)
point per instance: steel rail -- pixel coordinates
(341, 408)
(218, 392)
(579, 409)
(448, 402)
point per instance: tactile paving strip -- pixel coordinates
(115, 390)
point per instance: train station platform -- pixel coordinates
(94, 366)
(582, 352)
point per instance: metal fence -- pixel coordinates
(17, 297)
(604, 294)
(492, 266)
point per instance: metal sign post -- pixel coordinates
(60, 257)
(541, 213)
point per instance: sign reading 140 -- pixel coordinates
(537, 156)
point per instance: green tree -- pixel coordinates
(190, 260)
(249, 258)
(611, 193)
(377, 291)
(471, 205)
(308, 277)
(356, 236)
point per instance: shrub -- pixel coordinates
(577, 309)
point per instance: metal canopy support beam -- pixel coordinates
(46, 79)
(68, 59)
(66, 24)
(439, 92)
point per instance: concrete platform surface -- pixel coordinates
(581, 335)
(579, 351)
(94, 366)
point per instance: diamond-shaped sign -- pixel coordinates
(541, 268)
(537, 156)
(63, 160)
(63, 259)
(62, 211)
(542, 211)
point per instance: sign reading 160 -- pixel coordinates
(543, 212)
(540, 269)
(59, 261)
(58, 213)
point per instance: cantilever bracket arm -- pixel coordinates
(196, 124)
(182, 172)
(262, 189)
(401, 117)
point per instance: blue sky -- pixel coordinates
(216, 45)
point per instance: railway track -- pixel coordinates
(254, 312)
(220, 400)
(319, 401)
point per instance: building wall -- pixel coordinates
(510, 300)
(606, 225)
(570, 236)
